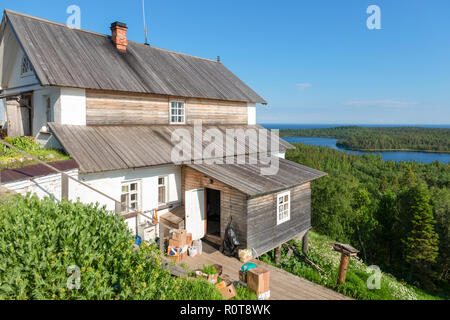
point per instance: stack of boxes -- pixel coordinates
(179, 243)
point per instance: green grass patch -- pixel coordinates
(11, 159)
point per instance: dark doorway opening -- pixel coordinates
(213, 212)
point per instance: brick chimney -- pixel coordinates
(119, 35)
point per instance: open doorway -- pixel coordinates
(213, 213)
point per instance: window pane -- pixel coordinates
(286, 207)
(123, 203)
(124, 189)
(286, 198)
(134, 197)
(180, 119)
(134, 187)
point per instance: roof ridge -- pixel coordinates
(103, 35)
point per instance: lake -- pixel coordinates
(396, 156)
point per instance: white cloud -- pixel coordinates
(303, 86)
(388, 103)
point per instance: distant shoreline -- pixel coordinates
(380, 139)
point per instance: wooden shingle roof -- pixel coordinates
(115, 147)
(248, 179)
(67, 57)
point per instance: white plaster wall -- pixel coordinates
(46, 186)
(70, 108)
(251, 107)
(40, 107)
(3, 112)
(110, 183)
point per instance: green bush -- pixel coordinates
(41, 239)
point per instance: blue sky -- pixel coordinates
(314, 61)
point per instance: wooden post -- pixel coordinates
(64, 187)
(346, 251)
(305, 242)
(343, 268)
(277, 255)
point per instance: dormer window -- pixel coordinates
(177, 112)
(26, 69)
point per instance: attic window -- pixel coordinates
(177, 112)
(26, 68)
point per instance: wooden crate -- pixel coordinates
(258, 280)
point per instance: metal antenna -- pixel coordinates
(145, 24)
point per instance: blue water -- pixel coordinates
(396, 156)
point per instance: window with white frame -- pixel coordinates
(162, 190)
(130, 198)
(177, 112)
(26, 69)
(283, 207)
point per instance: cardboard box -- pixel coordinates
(180, 235)
(189, 239)
(177, 243)
(221, 285)
(258, 280)
(228, 292)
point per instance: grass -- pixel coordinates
(11, 159)
(322, 254)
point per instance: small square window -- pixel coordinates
(177, 112)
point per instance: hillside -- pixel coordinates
(381, 139)
(322, 254)
(385, 209)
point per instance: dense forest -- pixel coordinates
(378, 139)
(396, 214)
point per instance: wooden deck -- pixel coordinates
(283, 285)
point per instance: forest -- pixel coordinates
(381, 139)
(396, 214)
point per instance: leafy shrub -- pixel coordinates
(209, 270)
(41, 239)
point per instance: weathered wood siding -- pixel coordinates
(233, 203)
(107, 107)
(263, 232)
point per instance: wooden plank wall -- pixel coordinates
(233, 203)
(107, 107)
(263, 232)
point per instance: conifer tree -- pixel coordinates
(421, 244)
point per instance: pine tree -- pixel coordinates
(421, 244)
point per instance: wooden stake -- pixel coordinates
(277, 255)
(305, 242)
(343, 268)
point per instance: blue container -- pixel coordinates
(138, 240)
(248, 266)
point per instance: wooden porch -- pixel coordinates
(283, 285)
